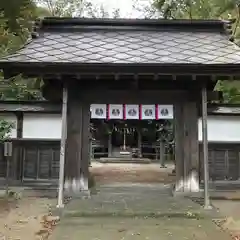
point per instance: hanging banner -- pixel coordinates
(131, 111)
(147, 112)
(98, 111)
(164, 112)
(115, 111)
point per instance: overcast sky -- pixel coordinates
(125, 6)
(128, 8)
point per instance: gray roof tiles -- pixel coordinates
(125, 46)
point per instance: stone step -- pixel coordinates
(125, 160)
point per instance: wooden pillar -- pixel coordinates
(16, 168)
(191, 149)
(139, 142)
(74, 145)
(62, 147)
(186, 147)
(77, 151)
(91, 151)
(162, 154)
(238, 165)
(110, 145)
(84, 163)
(179, 157)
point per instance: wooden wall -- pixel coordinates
(39, 160)
(32, 160)
(224, 161)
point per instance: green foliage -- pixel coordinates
(15, 26)
(184, 8)
(77, 8)
(63, 8)
(5, 129)
(17, 14)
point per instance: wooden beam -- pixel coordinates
(133, 97)
(37, 69)
(47, 107)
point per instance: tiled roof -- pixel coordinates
(158, 45)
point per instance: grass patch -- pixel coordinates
(130, 214)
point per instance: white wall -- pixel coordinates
(222, 129)
(48, 126)
(10, 117)
(42, 126)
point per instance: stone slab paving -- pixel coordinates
(137, 228)
(136, 211)
(132, 200)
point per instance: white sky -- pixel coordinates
(125, 6)
(128, 8)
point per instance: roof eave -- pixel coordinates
(229, 69)
(60, 21)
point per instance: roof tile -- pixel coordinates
(125, 46)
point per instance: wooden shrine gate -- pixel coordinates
(111, 61)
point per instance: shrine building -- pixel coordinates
(128, 70)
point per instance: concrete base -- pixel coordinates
(188, 185)
(125, 160)
(82, 194)
(77, 188)
(187, 194)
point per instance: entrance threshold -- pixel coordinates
(125, 160)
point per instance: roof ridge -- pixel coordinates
(76, 24)
(63, 21)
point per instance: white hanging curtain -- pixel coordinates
(132, 111)
(115, 111)
(165, 112)
(147, 112)
(98, 111)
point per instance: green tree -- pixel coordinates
(15, 27)
(5, 130)
(77, 8)
(63, 8)
(176, 9)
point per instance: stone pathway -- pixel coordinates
(136, 211)
(138, 228)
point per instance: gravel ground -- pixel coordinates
(134, 173)
(228, 205)
(25, 219)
